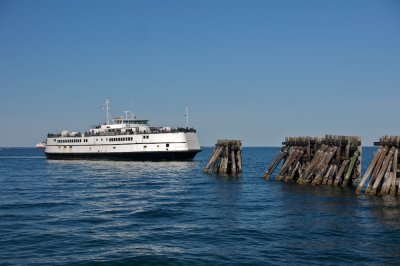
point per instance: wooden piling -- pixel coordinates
(376, 170)
(369, 170)
(393, 189)
(226, 158)
(384, 168)
(331, 160)
(338, 178)
(279, 157)
(350, 169)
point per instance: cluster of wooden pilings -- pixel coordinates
(331, 160)
(226, 158)
(382, 172)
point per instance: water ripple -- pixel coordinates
(171, 213)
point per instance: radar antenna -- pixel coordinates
(126, 114)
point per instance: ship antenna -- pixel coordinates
(107, 105)
(132, 113)
(187, 116)
(131, 107)
(126, 114)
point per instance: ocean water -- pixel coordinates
(171, 213)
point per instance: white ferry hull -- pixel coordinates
(175, 146)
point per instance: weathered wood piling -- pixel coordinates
(381, 176)
(332, 160)
(226, 158)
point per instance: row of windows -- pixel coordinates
(71, 140)
(86, 140)
(145, 146)
(121, 139)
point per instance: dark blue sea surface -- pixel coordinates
(171, 213)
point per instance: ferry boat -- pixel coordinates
(125, 138)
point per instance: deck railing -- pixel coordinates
(151, 131)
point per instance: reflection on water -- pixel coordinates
(385, 210)
(123, 167)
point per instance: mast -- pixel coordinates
(187, 116)
(132, 113)
(107, 107)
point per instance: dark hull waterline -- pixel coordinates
(127, 156)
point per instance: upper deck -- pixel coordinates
(122, 125)
(152, 130)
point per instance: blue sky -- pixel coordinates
(251, 70)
